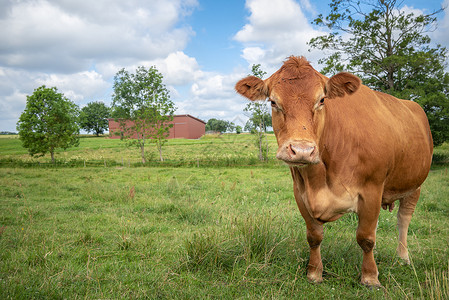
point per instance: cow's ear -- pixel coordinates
(252, 88)
(341, 84)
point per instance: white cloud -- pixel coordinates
(11, 107)
(13, 87)
(270, 18)
(275, 30)
(441, 35)
(178, 68)
(79, 87)
(253, 54)
(78, 46)
(305, 4)
(215, 86)
(66, 36)
(212, 95)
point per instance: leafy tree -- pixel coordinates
(259, 118)
(219, 125)
(238, 129)
(388, 47)
(143, 99)
(94, 117)
(48, 122)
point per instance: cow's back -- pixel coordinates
(374, 136)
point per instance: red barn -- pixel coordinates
(184, 126)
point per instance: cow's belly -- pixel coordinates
(389, 197)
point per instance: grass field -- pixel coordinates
(211, 150)
(211, 222)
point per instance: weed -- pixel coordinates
(437, 283)
(250, 242)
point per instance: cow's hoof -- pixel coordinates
(403, 255)
(315, 278)
(372, 283)
(404, 261)
(403, 258)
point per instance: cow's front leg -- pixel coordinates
(314, 238)
(314, 230)
(368, 212)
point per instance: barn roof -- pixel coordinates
(190, 116)
(174, 116)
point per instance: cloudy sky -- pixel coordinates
(202, 47)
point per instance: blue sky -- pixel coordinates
(201, 47)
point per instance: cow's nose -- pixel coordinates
(298, 152)
(301, 150)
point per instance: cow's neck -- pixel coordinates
(324, 199)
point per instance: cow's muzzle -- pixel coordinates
(298, 153)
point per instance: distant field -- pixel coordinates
(227, 149)
(192, 229)
(212, 150)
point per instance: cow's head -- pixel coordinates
(298, 94)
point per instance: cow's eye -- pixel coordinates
(273, 104)
(320, 104)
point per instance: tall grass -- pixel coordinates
(438, 283)
(250, 242)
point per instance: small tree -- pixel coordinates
(48, 122)
(94, 117)
(259, 119)
(142, 105)
(238, 129)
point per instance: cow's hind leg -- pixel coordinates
(406, 208)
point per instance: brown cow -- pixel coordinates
(349, 149)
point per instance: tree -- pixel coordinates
(389, 49)
(141, 103)
(219, 125)
(259, 118)
(94, 117)
(238, 129)
(48, 122)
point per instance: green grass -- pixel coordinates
(224, 150)
(211, 231)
